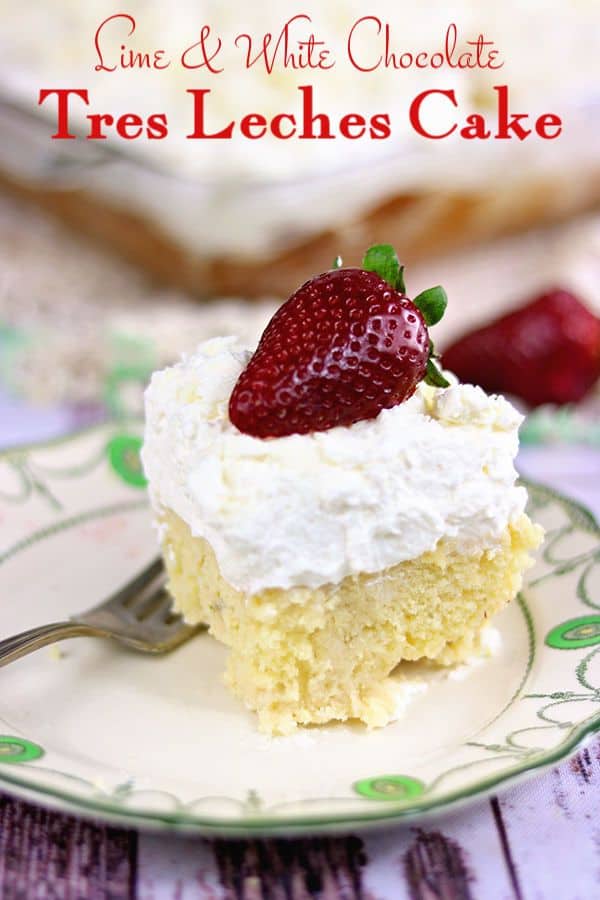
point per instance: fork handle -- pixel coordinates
(21, 644)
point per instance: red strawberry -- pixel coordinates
(545, 352)
(345, 346)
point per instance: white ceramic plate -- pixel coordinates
(159, 742)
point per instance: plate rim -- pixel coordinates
(189, 823)
(62, 800)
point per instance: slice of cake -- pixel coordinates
(330, 505)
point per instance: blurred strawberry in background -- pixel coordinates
(547, 351)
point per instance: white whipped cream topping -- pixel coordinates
(312, 509)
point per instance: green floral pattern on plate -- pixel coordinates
(124, 455)
(390, 787)
(581, 632)
(17, 750)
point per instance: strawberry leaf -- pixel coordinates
(400, 286)
(432, 304)
(383, 260)
(433, 376)
(337, 263)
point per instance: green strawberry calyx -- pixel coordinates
(383, 260)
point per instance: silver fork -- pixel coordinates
(138, 615)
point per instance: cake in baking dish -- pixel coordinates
(241, 217)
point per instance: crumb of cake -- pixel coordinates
(298, 663)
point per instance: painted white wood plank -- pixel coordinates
(172, 867)
(553, 827)
(179, 869)
(45, 854)
(456, 856)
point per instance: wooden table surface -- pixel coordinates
(539, 840)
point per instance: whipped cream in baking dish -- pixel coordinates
(250, 200)
(312, 509)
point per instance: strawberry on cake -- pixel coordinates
(331, 503)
